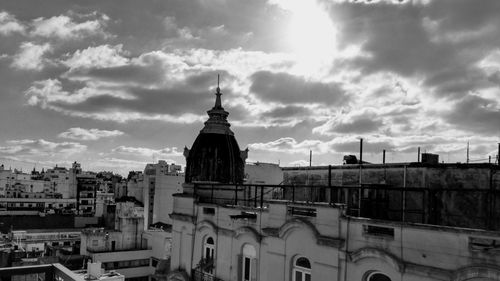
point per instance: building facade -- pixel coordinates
(363, 223)
(161, 181)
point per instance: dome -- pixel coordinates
(215, 155)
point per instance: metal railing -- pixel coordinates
(199, 275)
(462, 207)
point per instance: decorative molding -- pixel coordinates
(182, 217)
(391, 259)
(271, 231)
(322, 240)
(490, 272)
(209, 224)
(248, 230)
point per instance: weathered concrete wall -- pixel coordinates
(471, 208)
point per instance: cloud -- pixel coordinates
(40, 147)
(50, 94)
(290, 145)
(64, 27)
(147, 152)
(30, 56)
(475, 114)
(102, 56)
(9, 24)
(357, 122)
(88, 134)
(286, 88)
(438, 42)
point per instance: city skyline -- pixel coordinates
(115, 85)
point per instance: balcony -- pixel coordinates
(199, 275)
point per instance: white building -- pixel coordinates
(123, 249)
(318, 241)
(40, 239)
(161, 181)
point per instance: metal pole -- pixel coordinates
(330, 182)
(403, 195)
(212, 194)
(361, 151)
(255, 197)
(418, 155)
(236, 194)
(383, 156)
(261, 196)
(498, 154)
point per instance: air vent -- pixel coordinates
(378, 231)
(208, 211)
(302, 211)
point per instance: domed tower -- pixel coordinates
(215, 155)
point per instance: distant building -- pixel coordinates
(161, 181)
(58, 272)
(135, 185)
(86, 194)
(124, 248)
(41, 239)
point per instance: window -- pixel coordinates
(377, 276)
(95, 243)
(301, 269)
(248, 263)
(209, 248)
(208, 254)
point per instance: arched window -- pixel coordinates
(248, 263)
(208, 255)
(209, 248)
(377, 276)
(301, 269)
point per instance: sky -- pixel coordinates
(117, 84)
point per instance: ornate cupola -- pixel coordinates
(215, 155)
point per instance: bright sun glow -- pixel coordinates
(311, 35)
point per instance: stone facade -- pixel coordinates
(336, 246)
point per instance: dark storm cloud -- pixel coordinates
(126, 73)
(360, 124)
(476, 114)
(172, 101)
(190, 95)
(441, 41)
(286, 88)
(287, 111)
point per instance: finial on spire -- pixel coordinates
(218, 103)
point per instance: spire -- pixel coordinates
(217, 116)
(218, 103)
